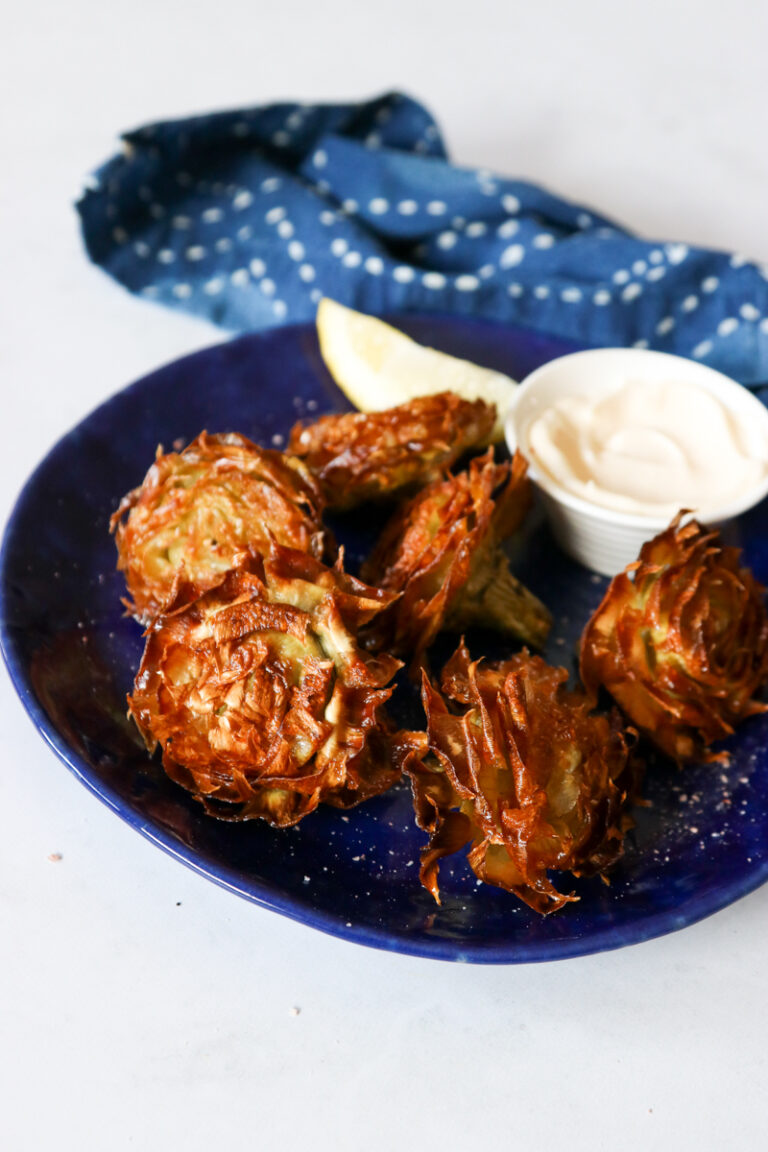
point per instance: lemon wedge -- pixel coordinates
(378, 367)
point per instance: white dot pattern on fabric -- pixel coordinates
(245, 232)
(407, 207)
(296, 250)
(737, 260)
(213, 286)
(690, 304)
(584, 220)
(320, 158)
(213, 215)
(728, 326)
(749, 312)
(433, 280)
(195, 252)
(141, 249)
(271, 184)
(374, 265)
(275, 215)
(466, 283)
(315, 295)
(676, 253)
(710, 284)
(571, 295)
(350, 206)
(119, 235)
(378, 206)
(242, 200)
(640, 344)
(166, 256)
(403, 274)
(281, 139)
(764, 325)
(543, 240)
(285, 229)
(631, 292)
(373, 140)
(437, 207)
(156, 211)
(703, 349)
(665, 326)
(240, 277)
(515, 289)
(307, 273)
(258, 267)
(352, 260)
(477, 228)
(656, 256)
(447, 240)
(486, 271)
(327, 217)
(511, 256)
(508, 229)
(541, 291)
(339, 246)
(280, 309)
(639, 267)
(182, 291)
(601, 297)
(621, 277)
(267, 286)
(182, 223)
(510, 203)
(223, 244)
(657, 273)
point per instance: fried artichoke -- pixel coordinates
(680, 641)
(367, 456)
(199, 511)
(259, 696)
(522, 772)
(442, 553)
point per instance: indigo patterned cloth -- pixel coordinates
(248, 217)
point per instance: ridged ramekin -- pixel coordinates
(603, 539)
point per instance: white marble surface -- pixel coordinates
(143, 1008)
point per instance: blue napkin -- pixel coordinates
(247, 218)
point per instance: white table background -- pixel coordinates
(144, 1008)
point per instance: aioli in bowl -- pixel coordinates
(619, 440)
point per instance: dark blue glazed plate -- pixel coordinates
(72, 654)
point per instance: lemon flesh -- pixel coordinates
(378, 367)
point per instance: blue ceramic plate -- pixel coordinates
(72, 655)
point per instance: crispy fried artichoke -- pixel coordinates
(524, 773)
(259, 696)
(680, 641)
(198, 511)
(442, 552)
(367, 456)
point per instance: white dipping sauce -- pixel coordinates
(648, 448)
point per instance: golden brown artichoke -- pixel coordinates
(442, 552)
(680, 641)
(200, 511)
(524, 773)
(259, 696)
(361, 456)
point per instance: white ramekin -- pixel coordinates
(603, 539)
